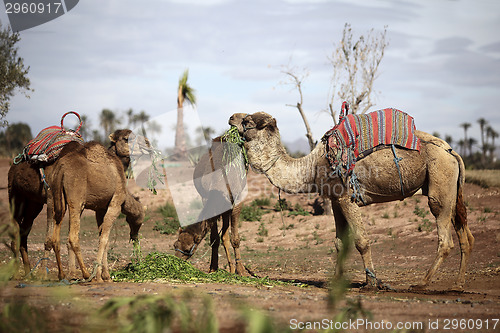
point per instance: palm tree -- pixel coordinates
(108, 121)
(142, 118)
(85, 129)
(461, 144)
(448, 139)
(130, 117)
(204, 134)
(466, 141)
(491, 133)
(482, 124)
(184, 93)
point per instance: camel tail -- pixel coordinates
(461, 210)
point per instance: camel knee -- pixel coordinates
(362, 245)
(434, 205)
(445, 248)
(235, 241)
(338, 244)
(74, 243)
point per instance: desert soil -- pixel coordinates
(403, 247)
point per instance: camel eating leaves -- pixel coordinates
(437, 170)
(220, 185)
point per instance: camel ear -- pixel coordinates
(112, 138)
(266, 122)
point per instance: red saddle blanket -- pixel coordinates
(356, 136)
(47, 145)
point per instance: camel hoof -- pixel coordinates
(418, 287)
(369, 287)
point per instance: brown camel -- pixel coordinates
(218, 190)
(92, 177)
(436, 169)
(27, 195)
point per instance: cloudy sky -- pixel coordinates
(442, 64)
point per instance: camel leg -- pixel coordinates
(341, 238)
(104, 230)
(351, 212)
(225, 240)
(75, 212)
(466, 241)
(24, 223)
(235, 239)
(442, 205)
(215, 242)
(443, 212)
(71, 262)
(56, 245)
(50, 233)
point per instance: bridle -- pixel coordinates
(245, 128)
(191, 251)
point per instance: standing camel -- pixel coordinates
(219, 185)
(27, 195)
(93, 178)
(436, 169)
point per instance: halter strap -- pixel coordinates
(190, 253)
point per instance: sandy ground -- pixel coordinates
(403, 246)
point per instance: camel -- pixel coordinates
(27, 196)
(437, 170)
(93, 178)
(217, 190)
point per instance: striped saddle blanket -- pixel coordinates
(47, 145)
(356, 136)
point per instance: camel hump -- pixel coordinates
(96, 152)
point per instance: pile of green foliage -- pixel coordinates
(161, 266)
(233, 148)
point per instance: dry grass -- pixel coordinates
(483, 178)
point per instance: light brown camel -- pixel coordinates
(436, 169)
(92, 178)
(217, 189)
(27, 195)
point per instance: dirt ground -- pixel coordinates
(404, 243)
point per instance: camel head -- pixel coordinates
(186, 244)
(124, 143)
(262, 139)
(134, 211)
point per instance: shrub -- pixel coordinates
(251, 213)
(261, 202)
(170, 222)
(282, 204)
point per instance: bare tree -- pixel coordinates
(355, 66)
(295, 80)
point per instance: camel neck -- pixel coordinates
(295, 175)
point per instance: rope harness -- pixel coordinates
(396, 161)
